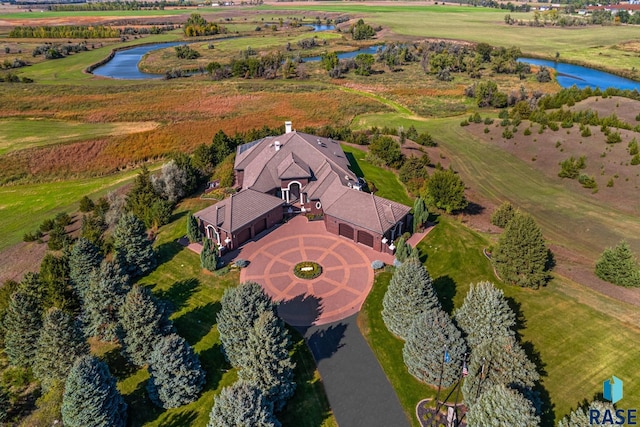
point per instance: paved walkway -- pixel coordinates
(337, 293)
(357, 387)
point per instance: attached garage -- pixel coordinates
(260, 226)
(365, 238)
(244, 235)
(346, 231)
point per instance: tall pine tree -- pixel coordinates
(485, 314)
(241, 404)
(85, 257)
(60, 343)
(410, 293)
(502, 406)
(267, 364)
(420, 213)
(209, 256)
(106, 294)
(132, 245)
(403, 249)
(434, 348)
(143, 322)
(241, 306)
(500, 361)
(193, 231)
(91, 397)
(522, 255)
(580, 417)
(22, 323)
(176, 375)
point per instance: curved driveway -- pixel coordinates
(337, 293)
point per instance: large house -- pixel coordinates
(298, 172)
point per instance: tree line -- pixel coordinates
(116, 5)
(83, 31)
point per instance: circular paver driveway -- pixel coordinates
(337, 293)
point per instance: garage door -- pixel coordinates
(365, 238)
(346, 231)
(244, 235)
(260, 225)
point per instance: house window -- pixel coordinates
(318, 205)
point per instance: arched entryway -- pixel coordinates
(294, 192)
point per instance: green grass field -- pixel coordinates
(386, 181)
(194, 296)
(20, 134)
(24, 207)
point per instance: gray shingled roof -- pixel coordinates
(260, 160)
(235, 212)
(293, 167)
(367, 210)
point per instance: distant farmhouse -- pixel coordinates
(301, 173)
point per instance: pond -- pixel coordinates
(569, 75)
(347, 55)
(124, 64)
(320, 27)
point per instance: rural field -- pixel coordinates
(70, 133)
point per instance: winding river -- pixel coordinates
(569, 75)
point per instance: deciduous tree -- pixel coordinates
(522, 256)
(176, 375)
(434, 348)
(91, 397)
(410, 293)
(445, 190)
(60, 343)
(241, 404)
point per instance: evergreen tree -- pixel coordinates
(106, 294)
(500, 361)
(209, 256)
(193, 231)
(143, 322)
(403, 249)
(420, 213)
(241, 306)
(91, 397)
(54, 280)
(132, 245)
(267, 364)
(503, 214)
(580, 417)
(522, 255)
(500, 406)
(432, 337)
(618, 266)
(241, 404)
(83, 260)
(60, 343)
(410, 293)
(176, 375)
(22, 323)
(485, 315)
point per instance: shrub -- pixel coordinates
(86, 204)
(488, 121)
(554, 126)
(527, 131)
(32, 237)
(570, 168)
(47, 225)
(464, 123)
(614, 138)
(587, 181)
(63, 219)
(586, 132)
(507, 133)
(635, 160)
(307, 270)
(377, 264)
(241, 263)
(502, 215)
